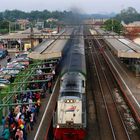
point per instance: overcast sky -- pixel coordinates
(87, 6)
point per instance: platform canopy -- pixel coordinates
(122, 47)
(50, 49)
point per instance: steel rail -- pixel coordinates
(107, 111)
(113, 98)
(123, 124)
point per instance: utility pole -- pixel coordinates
(9, 27)
(112, 26)
(32, 37)
(15, 26)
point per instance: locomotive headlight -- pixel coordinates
(71, 101)
(57, 126)
(67, 101)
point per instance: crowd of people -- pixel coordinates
(22, 117)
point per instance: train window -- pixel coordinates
(83, 83)
(71, 85)
(77, 94)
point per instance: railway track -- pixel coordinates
(93, 131)
(115, 121)
(109, 117)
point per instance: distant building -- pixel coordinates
(135, 23)
(19, 41)
(132, 29)
(39, 25)
(23, 23)
(52, 20)
(137, 40)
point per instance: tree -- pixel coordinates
(128, 15)
(13, 15)
(113, 25)
(129, 10)
(4, 27)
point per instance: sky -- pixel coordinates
(85, 6)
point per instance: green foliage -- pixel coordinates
(4, 27)
(4, 24)
(113, 25)
(13, 15)
(51, 24)
(3, 31)
(128, 15)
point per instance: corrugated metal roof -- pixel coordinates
(131, 44)
(122, 50)
(42, 46)
(49, 49)
(122, 47)
(15, 36)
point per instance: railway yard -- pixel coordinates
(82, 87)
(114, 118)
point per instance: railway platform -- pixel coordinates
(132, 81)
(129, 80)
(44, 103)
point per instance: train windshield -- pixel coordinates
(76, 94)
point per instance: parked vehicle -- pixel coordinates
(9, 71)
(4, 83)
(3, 53)
(4, 76)
(23, 61)
(18, 66)
(22, 55)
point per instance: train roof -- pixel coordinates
(71, 82)
(77, 64)
(75, 58)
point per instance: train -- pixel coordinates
(69, 121)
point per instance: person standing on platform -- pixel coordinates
(8, 59)
(53, 74)
(6, 133)
(50, 86)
